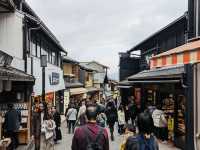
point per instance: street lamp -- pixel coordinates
(43, 65)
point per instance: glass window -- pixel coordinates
(53, 57)
(38, 47)
(33, 46)
(43, 48)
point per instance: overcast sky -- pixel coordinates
(100, 29)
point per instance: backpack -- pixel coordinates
(101, 120)
(93, 144)
(139, 143)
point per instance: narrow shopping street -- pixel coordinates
(65, 144)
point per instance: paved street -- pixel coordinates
(65, 144)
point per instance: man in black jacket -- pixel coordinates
(12, 125)
(57, 119)
(111, 114)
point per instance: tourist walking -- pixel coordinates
(121, 119)
(57, 119)
(111, 114)
(81, 114)
(47, 132)
(160, 124)
(144, 140)
(90, 136)
(71, 117)
(132, 109)
(12, 125)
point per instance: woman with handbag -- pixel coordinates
(47, 133)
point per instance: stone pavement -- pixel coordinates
(65, 144)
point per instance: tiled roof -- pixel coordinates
(9, 73)
(162, 73)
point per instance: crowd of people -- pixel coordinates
(138, 128)
(89, 120)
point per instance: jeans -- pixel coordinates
(71, 124)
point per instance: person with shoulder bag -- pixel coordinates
(47, 133)
(145, 139)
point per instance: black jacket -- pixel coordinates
(57, 119)
(12, 120)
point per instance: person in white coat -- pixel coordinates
(121, 119)
(71, 116)
(160, 124)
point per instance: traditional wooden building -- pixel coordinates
(74, 89)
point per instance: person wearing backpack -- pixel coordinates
(90, 136)
(145, 139)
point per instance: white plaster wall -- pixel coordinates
(11, 37)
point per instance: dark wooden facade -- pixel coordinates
(193, 16)
(129, 65)
(171, 36)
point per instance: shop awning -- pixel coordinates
(185, 54)
(73, 85)
(9, 73)
(92, 89)
(77, 91)
(162, 75)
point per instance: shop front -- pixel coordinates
(168, 87)
(16, 88)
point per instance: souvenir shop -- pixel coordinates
(167, 87)
(16, 88)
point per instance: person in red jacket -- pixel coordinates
(90, 134)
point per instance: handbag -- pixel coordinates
(43, 127)
(48, 133)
